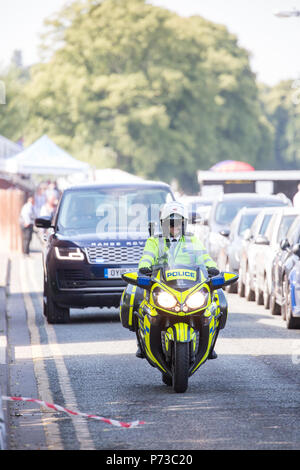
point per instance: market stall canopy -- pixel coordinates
(8, 148)
(44, 157)
(232, 165)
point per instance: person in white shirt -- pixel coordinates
(49, 208)
(27, 217)
(296, 199)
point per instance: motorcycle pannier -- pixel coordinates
(130, 300)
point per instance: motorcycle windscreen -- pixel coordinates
(182, 265)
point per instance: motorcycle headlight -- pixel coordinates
(197, 300)
(166, 300)
(69, 253)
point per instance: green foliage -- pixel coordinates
(14, 113)
(138, 87)
(282, 109)
(129, 85)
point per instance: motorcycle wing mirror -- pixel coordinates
(152, 228)
(130, 278)
(195, 218)
(136, 280)
(223, 279)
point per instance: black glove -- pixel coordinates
(213, 271)
(146, 271)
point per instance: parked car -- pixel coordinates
(277, 229)
(229, 254)
(98, 233)
(291, 312)
(250, 245)
(198, 204)
(226, 207)
(198, 208)
(284, 292)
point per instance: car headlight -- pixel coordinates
(166, 300)
(197, 300)
(69, 253)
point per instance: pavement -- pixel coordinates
(4, 264)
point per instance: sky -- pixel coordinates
(273, 43)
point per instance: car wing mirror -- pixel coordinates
(43, 222)
(261, 240)
(296, 249)
(284, 244)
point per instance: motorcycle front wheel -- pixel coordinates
(180, 370)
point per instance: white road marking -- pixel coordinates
(53, 349)
(3, 346)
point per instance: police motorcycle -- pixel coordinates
(177, 313)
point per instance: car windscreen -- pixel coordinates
(110, 210)
(285, 224)
(227, 210)
(246, 222)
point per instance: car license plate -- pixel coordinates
(115, 273)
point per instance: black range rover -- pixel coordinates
(98, 233)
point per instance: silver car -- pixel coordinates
(226, 207)
(246, 283)
(229, 255)
(266, 250)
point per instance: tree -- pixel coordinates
(282, 109)
(130, 85)
(14, 112)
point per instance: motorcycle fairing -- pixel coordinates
(206, 344)
(181, 296)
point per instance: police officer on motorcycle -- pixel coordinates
(173, 220)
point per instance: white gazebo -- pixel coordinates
(44, 157)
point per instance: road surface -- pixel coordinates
(248, 398)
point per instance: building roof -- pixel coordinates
(272, 175)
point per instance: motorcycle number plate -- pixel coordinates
(114, 273)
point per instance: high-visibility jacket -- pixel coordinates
(189, 251)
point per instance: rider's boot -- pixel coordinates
(139, 353)
(212, 355)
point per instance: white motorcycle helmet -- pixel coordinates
(173, 219)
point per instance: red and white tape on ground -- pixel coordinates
(119, 424)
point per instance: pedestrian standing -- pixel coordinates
(27, 217)
(49, 208)
(39, 199)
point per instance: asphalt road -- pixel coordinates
(248, 398)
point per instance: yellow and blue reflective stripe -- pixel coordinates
(146, 331)
(131, 306)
